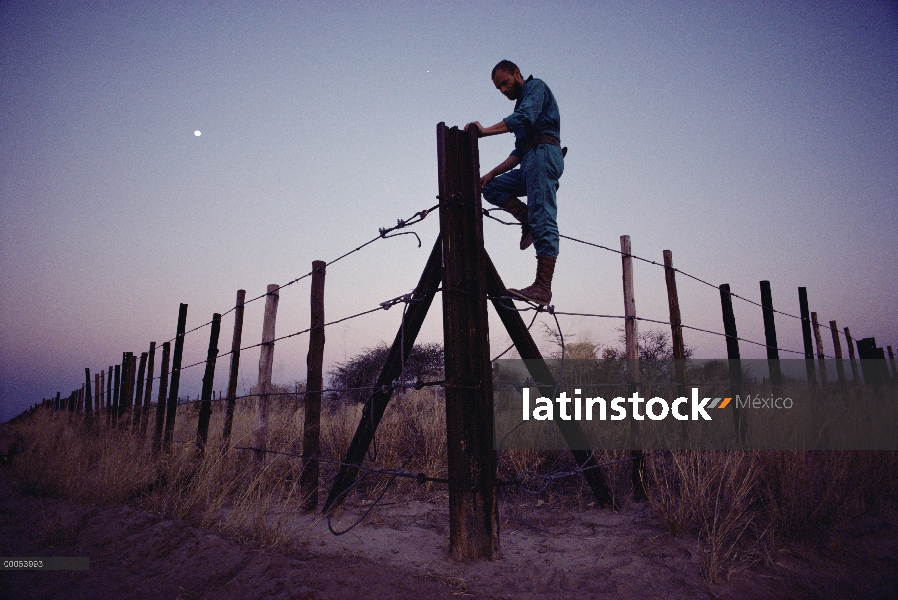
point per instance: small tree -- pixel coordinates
(425, 363)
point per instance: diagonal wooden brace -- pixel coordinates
(374, 409)
(539, 371)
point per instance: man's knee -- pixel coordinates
(494, 194)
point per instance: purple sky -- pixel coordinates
(754, 140)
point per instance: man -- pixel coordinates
(536, 125)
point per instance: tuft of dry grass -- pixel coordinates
(67, 459)
(739, 504)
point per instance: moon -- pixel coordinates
(197, 133)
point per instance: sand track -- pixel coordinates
(400, 553)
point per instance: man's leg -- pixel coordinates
(542, 167)
(503, 191)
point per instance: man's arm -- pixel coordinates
(507, 165)
(482, 131)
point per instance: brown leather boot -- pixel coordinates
(541, 290)
(519, 211)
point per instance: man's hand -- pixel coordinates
(476, 126)
(486, 179)
(482, 131)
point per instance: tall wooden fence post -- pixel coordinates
(806, 334)
(202, 424)
(311, 435)
(892, 362)
(116, 393)
(855, 372)
(138, 396)
(88, 398)
(821, 357)
(632, 347)
(172, 401)
(266, 362)
(473, 503)
(676, 326)
(98, 397)
(108, 399)
(234, 370)
(148, 392)
(733, 359)
(161, 400)
(132, 383)
(676, 333)
(837, 350)
(123, 403)
(872, 362)
(773, 353)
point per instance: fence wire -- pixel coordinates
(486, 213)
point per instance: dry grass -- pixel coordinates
(740, 505)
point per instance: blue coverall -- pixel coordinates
(535, 113)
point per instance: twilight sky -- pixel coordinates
(755, 140)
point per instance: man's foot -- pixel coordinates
(540, 291)
(518, 210)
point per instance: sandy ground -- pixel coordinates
(401, 552)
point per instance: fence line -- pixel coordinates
(466, 272)
(384, 233)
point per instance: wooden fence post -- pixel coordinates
(473, 503)
(892, 362)
(676, 328)
(148, 392)
(870, 357)
(161, 400)
(116, 393)
(127, 397)
(820, 355)
(733, 359)
(98, 396)
(235, 367)
(855, 372)
(88, 397)
(837, 350)
(202, 424)
(107, 405)
(632, 347)
(138, 397)
(132, 382)
(266, 362)
(311, 435)
(806, 334)
(773, 354)
(175, 376)
(56, 403)
(123, 387)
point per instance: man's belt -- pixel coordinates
(532, 142)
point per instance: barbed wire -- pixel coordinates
(383, 233)
(386, 305)
(395, 385)
(486, 213)
(659, 322)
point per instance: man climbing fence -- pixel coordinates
(536, 124)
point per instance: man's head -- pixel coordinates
(508, 80)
